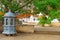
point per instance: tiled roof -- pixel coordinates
(23, 15)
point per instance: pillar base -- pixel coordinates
(8, 33)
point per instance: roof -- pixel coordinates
(20, 16)
(23, 15)
(10, 14)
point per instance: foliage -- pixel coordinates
(13, 5)
(55, 14)
(42, 4)
(43, 20)
(0, 17)
(52, 15)
(49, 7)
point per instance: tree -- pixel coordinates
(48, 7)
(15, 5)
(43, 4)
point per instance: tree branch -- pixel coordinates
(26, 3)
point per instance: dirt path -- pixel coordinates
(34, 36)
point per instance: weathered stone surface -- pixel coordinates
(25, 28)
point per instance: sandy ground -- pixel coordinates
(30, 36)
